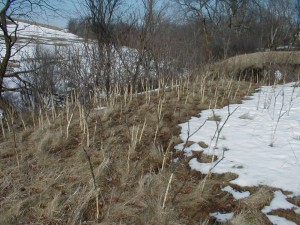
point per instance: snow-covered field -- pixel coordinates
(35, 38)
(30, 36)
(44, 35)
(260, 143)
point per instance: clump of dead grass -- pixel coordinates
(250, 217)
(290, 215)
(295, 200)
(258, 199)
(260, 66)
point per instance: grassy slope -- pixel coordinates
(259, 59)
(46, 177)
(288, 62)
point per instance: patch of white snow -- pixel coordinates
(279, 202)
(236, 194)
(262, 151)
(277, 220)
(222, 217)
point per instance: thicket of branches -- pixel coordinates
(202, 29)
(129, 47)
(10, 11)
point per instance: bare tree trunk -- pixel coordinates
(9, 41)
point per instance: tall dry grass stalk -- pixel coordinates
(166, 154)
(167, 191)
(47, 118)
(143, 129)
(69, 120)
(8, 125)
(237, 90)
(96, 187)
(134, 133)
(33, 119)
(79, 106)
(2, 128)
(23, 122)
(41, 119)
(53, 110)
(159, 117)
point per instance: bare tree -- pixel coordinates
(9, 11)
(102, 15)
(280, 25)
(10, 38)
(149, 27)
(237, 26)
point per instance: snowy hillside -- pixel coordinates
(62, 45)
(260, 142)
(31, 38)
(39, 34)
(31, 35)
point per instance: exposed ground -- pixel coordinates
(48, 161)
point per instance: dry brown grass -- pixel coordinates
(261, 64)
(295, 200)
(260, 59)
(288, 214)
(258, 199)
(250, 217)
(47, 179)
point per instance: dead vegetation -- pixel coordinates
(78, 165)
(261, 66)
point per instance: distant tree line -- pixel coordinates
(202, 30)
